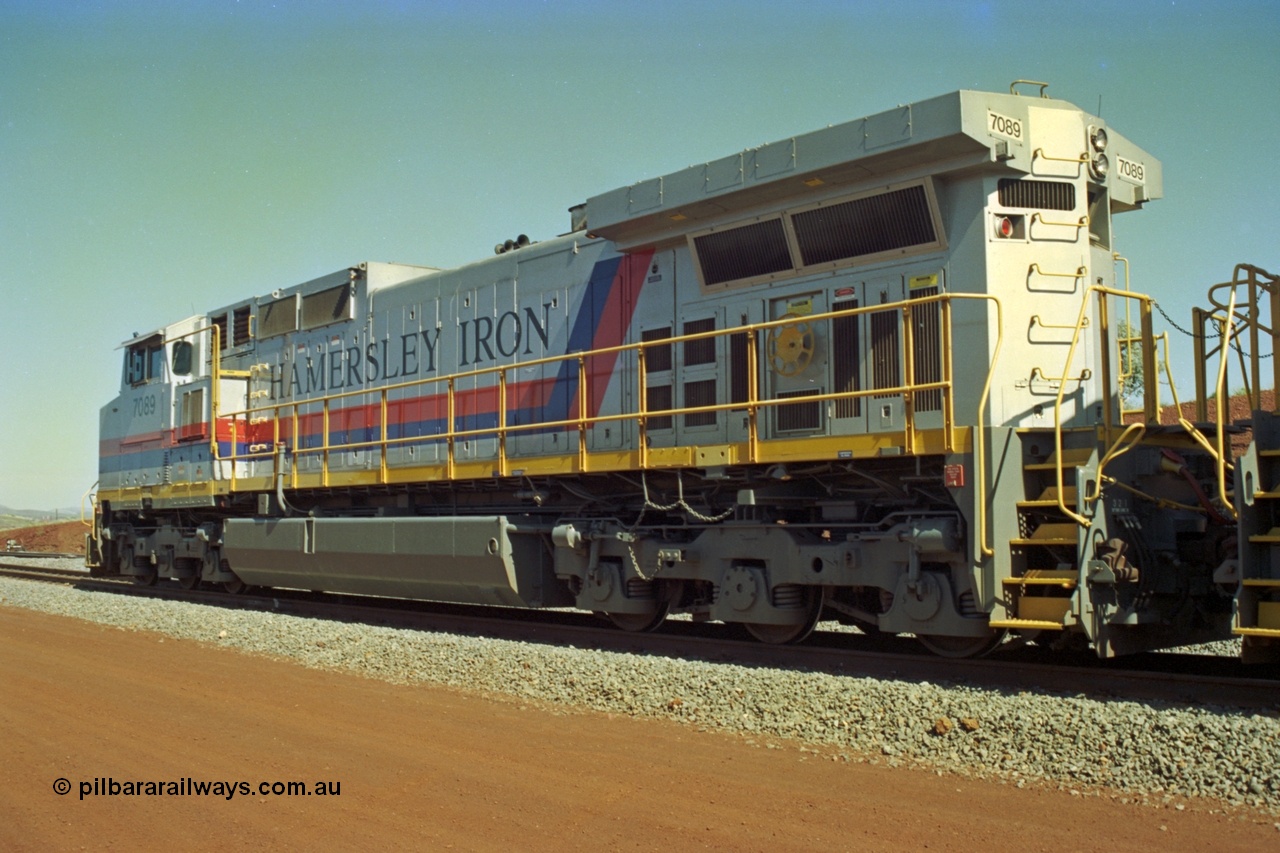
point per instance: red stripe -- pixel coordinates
(619, 308)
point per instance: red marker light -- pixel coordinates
(1004, 227)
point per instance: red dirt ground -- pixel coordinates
(66, 537)
(423, 767)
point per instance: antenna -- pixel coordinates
(1099, 113)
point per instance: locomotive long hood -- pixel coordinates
(971, 129)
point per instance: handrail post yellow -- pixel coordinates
(215, 376)
(582, 413)
(384, 474)
(909, 374)
(295, 432)
(642, 409)
(1104, 352)
(449, 429)
(1255, 363)
(502, 422)
(753, 396)
(1221, 403)
(948, 376)
(1273, 293)
(1057, 412)
(324, 442)
(1150, 383)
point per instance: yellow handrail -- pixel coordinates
(1223, 414)
(641, 413)
(1118, 447)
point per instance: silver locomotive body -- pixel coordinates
(872, 372)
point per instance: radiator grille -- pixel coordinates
(752, 250)
(278, 317)
(844, 350)
(221, 322)
(795, 417)
(657, 399)
(701, 393)
(926, 350)
(657, 358)
(1046, 195)
(240, 322)
(739, 380)
(886, 370)
(327, 306)
(703, 350)
(865, 226)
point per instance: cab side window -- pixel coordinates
(144, 362)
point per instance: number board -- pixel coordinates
(1004, 126)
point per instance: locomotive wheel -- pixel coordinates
(640, 623)
(235, 587)
(149, 579)
(189, 582)
(961, 647)
(778, 635)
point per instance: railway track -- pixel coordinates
(1167, 677)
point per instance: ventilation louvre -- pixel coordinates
(278, 317)
(326, 306)
(746, 252)
(701, 393)
(1043, 195)
(848, 359)
(865, 226)
(799, 417)
(926, 345)
(702, 350)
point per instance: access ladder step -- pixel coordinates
(1072, 457)
(1063, 578)
(1271, 633)
(1051, 533)
(1049, 497)
(1271, 537)
(1269, 616)
(1027, 624)
(1262, 583)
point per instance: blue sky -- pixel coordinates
(160, 159)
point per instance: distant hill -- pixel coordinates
(10, 517)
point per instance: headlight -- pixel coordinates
(1098, 138)
(1099, 166)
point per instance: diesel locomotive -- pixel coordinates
(873, 373)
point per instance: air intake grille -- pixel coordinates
(752, 250)
(885, 361)
(926, 344)
(278, 317)
(240, 325)
(865, 226)
(696, 394)
(657, 358)
(1045, 195)
(658, 399)
(702, 350)
(326, 306)
(847, 356)
(795, 417)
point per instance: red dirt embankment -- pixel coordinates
(66, 537)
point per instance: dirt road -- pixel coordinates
(433, 768)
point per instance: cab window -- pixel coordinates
(144, 361)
